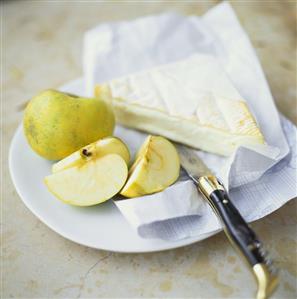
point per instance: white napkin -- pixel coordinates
(260, 180)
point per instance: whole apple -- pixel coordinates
(56, 124)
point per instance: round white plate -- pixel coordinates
(102, 227)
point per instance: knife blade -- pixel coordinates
(192, 164)
(239, 233)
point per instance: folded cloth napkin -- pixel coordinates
(260, 179)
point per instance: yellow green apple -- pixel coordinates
(56, 124)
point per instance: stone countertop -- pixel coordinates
(41, 45)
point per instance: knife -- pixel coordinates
(239, 233)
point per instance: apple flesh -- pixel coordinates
(90, 183)
(100, 148)
(155, 168)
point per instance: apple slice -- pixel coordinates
(91, 183)
(155, 168)
(102, 147)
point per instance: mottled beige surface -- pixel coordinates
(42, 48)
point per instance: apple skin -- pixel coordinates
(56, 124)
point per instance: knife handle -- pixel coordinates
(240, 234)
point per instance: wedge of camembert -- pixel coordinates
(191, 101)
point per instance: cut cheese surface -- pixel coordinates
(191, 101)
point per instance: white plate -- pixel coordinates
(101, 227)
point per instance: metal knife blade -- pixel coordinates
(192, 164)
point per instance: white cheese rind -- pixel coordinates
(191, 101)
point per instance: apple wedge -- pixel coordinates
(100, 148)
(89, 183)
(155, 168)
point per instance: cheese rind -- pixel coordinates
(192, 102)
